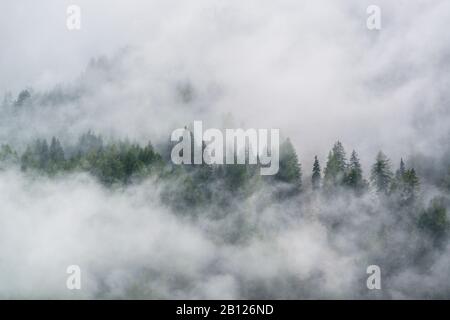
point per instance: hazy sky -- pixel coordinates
(312, 69)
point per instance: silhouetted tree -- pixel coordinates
(335, 170)
(316, 175)
(354, 178)
(381, 174)
(290, 170)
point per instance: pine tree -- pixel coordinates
(316, 175)
(290, 170)
(434, 220)
(56, 152)
(401, 170)
(147, 154)
(89, 142)
(336, 166)
(354, 178)
(410, 186)
(56, 159)
(7, 156)
(381, 174)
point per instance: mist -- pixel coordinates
(138, 71)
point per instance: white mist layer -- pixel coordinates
(128, 245)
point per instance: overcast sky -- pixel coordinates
(312, 69)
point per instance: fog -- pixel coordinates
(140, 70)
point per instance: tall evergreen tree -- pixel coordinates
(56, 159)
(56, 152)
(336, 166)
(401, 170)
(7, 156)
(316, 175)
(434, 220)
(381, 174)
(354, 178)
(290, 170)
(89, 142)
(410, 186)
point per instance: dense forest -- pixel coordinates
(121, 163)
(306, 232)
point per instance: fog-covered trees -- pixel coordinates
(381, 174)
(335, 170)
(405, 185)
(354, 178)
(122, 161)
(434, 219)
(7, 155)
(114, 162)
(22, 98)
(316, 175)
(289, 170)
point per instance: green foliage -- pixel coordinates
(381, 174)
(289, 170)
(410, 186)
(7, 156)
(335, 170)
(354, 177)
(89, 143)
(36, 156)
(112, 163)
(122, 162)
(236, 176)
(405, 185)
(434, 220)
(316, 175)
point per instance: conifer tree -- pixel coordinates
(354, 178)
(401, 170)
(410, 186)
(7, 154)
(336, 166)
(289, 170)
(56, 152)
(381, 174)
(316, 175)
(434, 220)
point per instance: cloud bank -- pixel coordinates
(140, 70)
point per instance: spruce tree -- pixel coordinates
(336, 166)
(434, 220)
(56, 156)
(401, 170)
(56, 152)
(7, 154)
(316, 176)
(354, 178)
(290, 170)
(410, 186)
(381, 174)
